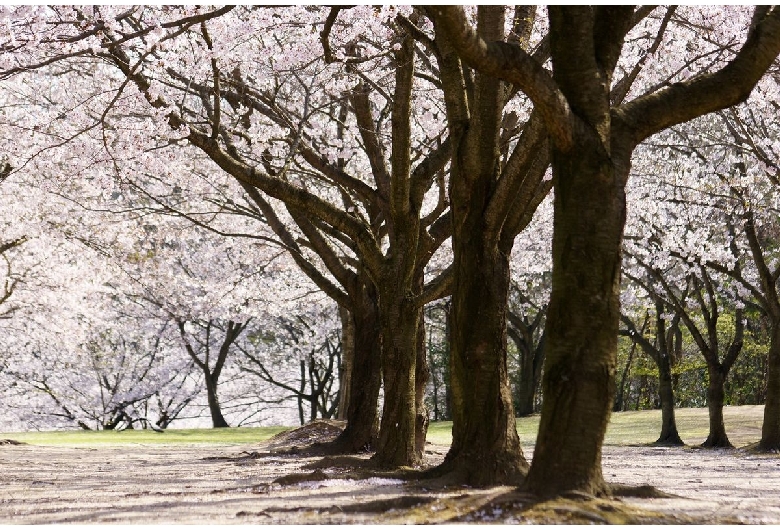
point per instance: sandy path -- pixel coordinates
(157, 484)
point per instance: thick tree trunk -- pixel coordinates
(582, 320)
(485, 445)
(669, 434)
(715, 398)
(399, 322)
(217, 419)
(770, 431)
(362, 415)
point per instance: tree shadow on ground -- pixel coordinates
(434, 497)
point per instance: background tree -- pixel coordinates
(726, 166)
(310, 367)
(664, 348)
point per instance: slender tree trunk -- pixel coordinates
(526, 385)
(485, 445)
(531, 360)
(399, 322)
(619, 404)
(448, 375)
(217, 419)
(347, 360)
(362, 430)
(770, 431)
(715, 399)
(582, 319)
(669, 434)
(421, 377)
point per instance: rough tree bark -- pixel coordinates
(485, 447)
(592, 143)
(580, 363)
(397, 286)
(715, 399)
(400, 320)
(347, 358)
(362, 389)
(422, 373)
(770, 430)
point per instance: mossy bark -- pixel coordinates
(362, 414)
(396, 446)
(582, 321)
(485, 445)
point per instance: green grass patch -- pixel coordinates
(743, 426)
(440, 432)
(233, 435)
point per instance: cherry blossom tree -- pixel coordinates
(725, 166)
(363, 139)
(664, 348)
(592, 137)
(301, 356)
(9, 279)
(72, 353)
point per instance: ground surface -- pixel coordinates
(221, 483)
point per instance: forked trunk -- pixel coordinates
(399, 320)
(582, 321)
(715, 399)
(669, 434)
(362, 415)
(485, 445)
(770, 431)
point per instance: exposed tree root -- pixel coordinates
(758, 449)
(673, 440)
(644, 491)
(505, 506)
(297, 478)
(465, 470)
(404, 502)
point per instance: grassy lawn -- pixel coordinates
(239, 435)
(743, 425)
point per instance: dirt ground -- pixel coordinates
(228, 484)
